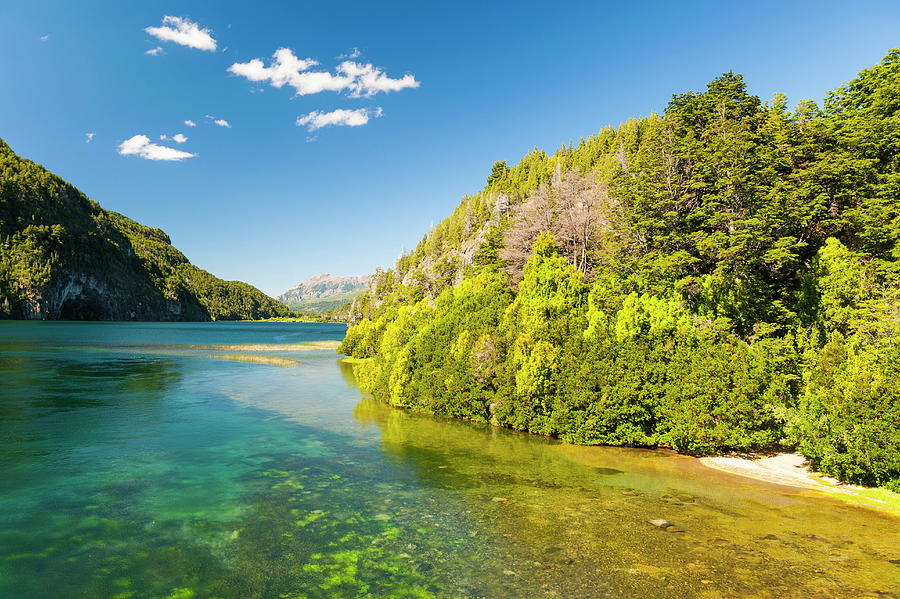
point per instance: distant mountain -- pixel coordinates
(63, 257)
(324, 292)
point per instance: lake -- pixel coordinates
(189, 460)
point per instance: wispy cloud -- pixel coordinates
(89, 137)
(359, 80)
(217, 121)
(183, 32)
(139, 145)
(341, 117)
(44, 38)
(354, 53)
(155, 51)
(190, 123)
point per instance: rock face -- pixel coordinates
(324, 292)
(82, 296)
(62, 256)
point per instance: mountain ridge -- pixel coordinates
(324, 292)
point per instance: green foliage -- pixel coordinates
(738, 288)
(850, 412)
(498, 172)
(855, 292)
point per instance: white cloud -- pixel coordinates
(179, 138)
(140, 145)
(190, 123)
(285, 69)
(222, 123)
(89, 137)
(354, 53)
(154, 51)
(346, 118)
(183, 32)
(360, 80)
(163, 137)
(44, 38)
(368, 80)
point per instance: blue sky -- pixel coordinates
(270, 202)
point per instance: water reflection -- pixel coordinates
(596, 522)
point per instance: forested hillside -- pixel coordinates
(722, 276)
(62, 256)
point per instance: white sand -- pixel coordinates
(784, 469)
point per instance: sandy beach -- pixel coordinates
(790, 469)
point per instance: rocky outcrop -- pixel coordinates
(80, 296)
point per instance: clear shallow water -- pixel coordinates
(136, 462)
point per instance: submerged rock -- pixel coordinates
(608, 471)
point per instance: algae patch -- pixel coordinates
(258, 359)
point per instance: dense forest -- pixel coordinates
(719, 277)
(62, 256)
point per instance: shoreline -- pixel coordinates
(786, 468)
(792, 469)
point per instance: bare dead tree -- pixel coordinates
(576, 208)
(528, 220)
(579, 201)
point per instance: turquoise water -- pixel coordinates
(167, 460)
